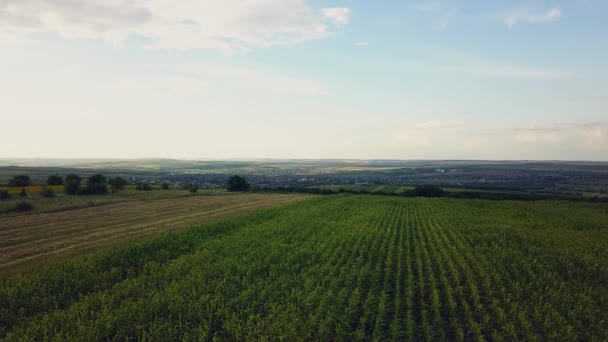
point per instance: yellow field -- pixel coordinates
(35, 189)
(33, 239)
(32, 189)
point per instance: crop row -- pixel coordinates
(339, 267)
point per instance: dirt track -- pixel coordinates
(32, 239)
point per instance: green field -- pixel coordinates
(339, 267)
(398, 189)
(366, 187)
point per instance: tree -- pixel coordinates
(165, 186)
(71, 185)
(237, 183)
(193, 188)
(117, 183)
(96, 184)
(4, 195)
(20, 181)
(427, 190)
(23, 193)
(54, 180)
(97, 180)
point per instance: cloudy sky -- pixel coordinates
(304, 79)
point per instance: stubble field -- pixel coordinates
(40, 238)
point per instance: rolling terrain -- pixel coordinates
(573, 178)
(339, 267)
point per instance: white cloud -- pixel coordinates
(595, 137)
(425, 133)
(362, 44)
(410, 138)
(253, 80)
(513, 72)
(426, 6)
(435, 124)
(228, 26)
(339, 15)
(524, 73)
(201, 79)
(440, 26)
(154, 86)
(526, 15)
(581, 135)
(531, 136)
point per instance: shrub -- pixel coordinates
(71, 185)
(93, 189)
(97, 179)
(165, 186)
(23, 206)
(23, 193)
(143, 187)
(4, 195)
(237, 183)
(54, 180)
(47, 192)
(117, 183)
(96, 185)
(425, 191)
(20, 181)
(193, 188)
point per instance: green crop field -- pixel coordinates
(366, 187)
(339, 267)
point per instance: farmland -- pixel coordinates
(336, 267)
(69, 202)
(30, 239)
(366, 187)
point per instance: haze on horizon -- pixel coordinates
(309, 79)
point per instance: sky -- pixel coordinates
(351, 79)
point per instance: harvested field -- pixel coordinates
(32, 239)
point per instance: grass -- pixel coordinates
(340, 267)
(32, 239)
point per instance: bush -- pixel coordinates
(54, 180)
(23, 193)
(143, 187)
(97, 179)
(96, 185)
(193, 188)
(165, 186)
(47, 192)
(4, 195)
(20, 181)
(93, 189)
(23, 206)
(71, 185)
(425, 191)
(117, 183)
(237, 183)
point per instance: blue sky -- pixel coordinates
(304, 79)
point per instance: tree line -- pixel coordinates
(99, 184)
(435, 191)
